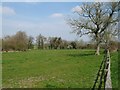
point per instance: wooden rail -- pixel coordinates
(103, 72)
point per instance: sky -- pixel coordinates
(46, 18)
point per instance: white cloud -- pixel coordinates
(77, 9)
(57, 15)
(7, 11)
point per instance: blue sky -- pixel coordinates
(46, 18)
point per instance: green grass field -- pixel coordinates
(54, 68)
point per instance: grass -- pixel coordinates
(52, 68)
(114, 69)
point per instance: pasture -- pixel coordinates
(54, 69)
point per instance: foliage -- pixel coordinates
(40, 41)
(55, 42)
(20, 41)
(16, 42)
(30, 42)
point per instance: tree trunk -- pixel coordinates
(97, 50)
(97, 44)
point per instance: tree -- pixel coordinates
(30, 42)
(21, 40)
(109, 37)
(15, 42)
(40, 41)
(93, 19)
(59, 43)
(73, 44)
(64, 44)
(51, 43)
(5, 45)
(8, 43)
(55, 43)
(0, 44)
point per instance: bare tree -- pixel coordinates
(93, 19)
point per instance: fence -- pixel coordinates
(103, 79)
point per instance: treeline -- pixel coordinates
(22, 42)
